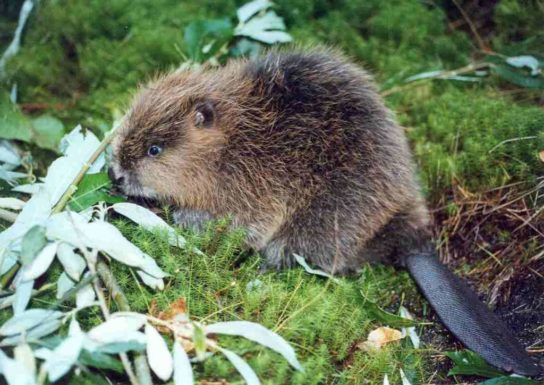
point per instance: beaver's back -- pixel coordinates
(317, 137)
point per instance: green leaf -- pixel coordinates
(527, 61)
(212, 34)
(246, 11)
(13, 124)
(48, 131)
(518, 78)
(45, 131)
(508, 380)
(470, 363)
(101, 361)
(33, 241)
(388, 318)
(93, 189)
(121, 347)
(268, 28)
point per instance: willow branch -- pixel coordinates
(140, 360)
(65, 198)
(442, 75)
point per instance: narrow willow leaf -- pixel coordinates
(64, 284)
(301, 261)
(405, 380)
(183, 373)
(23, 353)
(48, 131)
(268, 29)
(470, 363)
(149, 221)
(525, 61)
(35, 212)
(11, 203)
(241, 366)
(27, 320)
(113, 329)
(78, 148)
(28, 188)
(107, 238)
(152, 282)
(9, 153)
(385, 379)
(14, 371)
(411, 331)
(158, 355)
(131, 341)
(73, 263)
(64, 356)
(85, 297)
(251, 8)
(23, 293)
(390, 319)
(33, 242)
(41, 263)
(257, 333)
(34, 334)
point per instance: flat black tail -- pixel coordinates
(467, 317)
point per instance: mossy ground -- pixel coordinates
(82, 60)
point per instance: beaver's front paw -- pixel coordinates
(192, 219)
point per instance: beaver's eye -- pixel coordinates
(154, 150)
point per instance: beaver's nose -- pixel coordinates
(117, 180)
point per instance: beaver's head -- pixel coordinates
(169, 140)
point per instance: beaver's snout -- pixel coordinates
(117, 180)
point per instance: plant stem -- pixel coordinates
(65, 198)
(443, 75)
(140, 360)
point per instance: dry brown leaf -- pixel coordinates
(379, 337)
(179, 306)
(175, 308)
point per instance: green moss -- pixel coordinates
(323, 321)
(473, 136)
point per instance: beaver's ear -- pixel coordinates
(205, 114)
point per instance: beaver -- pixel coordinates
(297, 147)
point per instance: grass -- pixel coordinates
(324, 321)
(81, 61)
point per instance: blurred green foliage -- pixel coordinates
(89, 57)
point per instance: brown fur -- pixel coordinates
(300, 150)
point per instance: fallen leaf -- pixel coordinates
(379, 337)
(178, 307)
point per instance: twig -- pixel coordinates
(140, 360)
(65, 198)
(472, 27)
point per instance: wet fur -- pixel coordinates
(301, 152)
